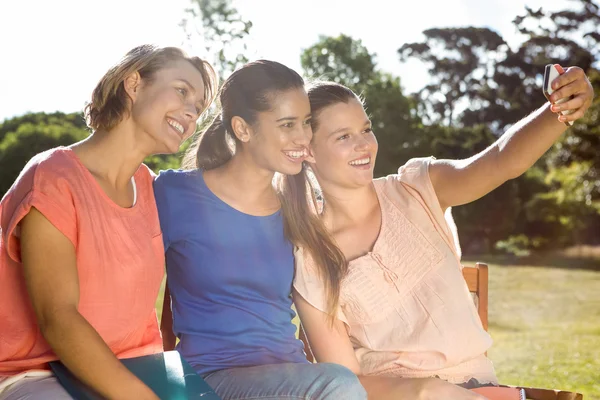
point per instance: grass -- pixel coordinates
(545, 322)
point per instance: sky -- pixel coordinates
(54, 52)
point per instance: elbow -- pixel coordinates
(516, 170)
(514, 173)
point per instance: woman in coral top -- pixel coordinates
(388, 299)
(81, 252)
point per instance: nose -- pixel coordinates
(303, 135)
(190, 111)
(361, 144)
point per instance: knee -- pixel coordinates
(342, 384)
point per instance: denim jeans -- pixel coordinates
(294, 381)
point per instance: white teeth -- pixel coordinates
(296, 154)
(176, 125)
(362, 161)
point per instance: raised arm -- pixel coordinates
(459, 182)
(50, 271)
(331, 344)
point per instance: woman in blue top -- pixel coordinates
(229, 265)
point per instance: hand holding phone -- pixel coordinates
(552, 72)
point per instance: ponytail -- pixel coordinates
(303, 225)
(247, 92)
(211, 149)
(304, 228)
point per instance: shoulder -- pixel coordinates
(414, 173)
(174, 186)
(54, 161)
(175, 177)
(43, 168)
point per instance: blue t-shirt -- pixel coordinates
(230, 276)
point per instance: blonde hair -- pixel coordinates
(109, 104)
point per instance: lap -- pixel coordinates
(35, 388)
(292, 381)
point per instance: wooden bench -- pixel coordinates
(477, 281)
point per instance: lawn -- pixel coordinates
(545, 323)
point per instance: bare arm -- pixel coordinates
(166, 321)
(50, 271)
(331, 344)
(459, 182)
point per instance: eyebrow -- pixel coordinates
(292, 118)
(367, 122)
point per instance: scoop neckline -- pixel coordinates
(69, 152)
(230, 207)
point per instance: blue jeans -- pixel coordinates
(294, 381)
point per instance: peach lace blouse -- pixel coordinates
(405, 304)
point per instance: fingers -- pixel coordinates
(572, 116)
(571, 104)
(566, 91)
(577, 94)
(571, 75)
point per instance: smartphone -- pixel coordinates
(552, 72)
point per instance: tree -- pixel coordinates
(74, 120)
(223, 31)
(25, 136)
(347, 61)
(460, 62)
(341, 59)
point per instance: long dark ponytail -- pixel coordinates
(304, 227)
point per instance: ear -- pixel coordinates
(310, 158)
(132, 84)
(241, 129)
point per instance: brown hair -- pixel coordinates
(110, 102)
(304, 226)
(248, 91)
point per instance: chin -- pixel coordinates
(171, 148)
(293, 171)
(364, 180)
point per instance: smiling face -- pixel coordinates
(165, 108)
(344, 147)
(279, 138)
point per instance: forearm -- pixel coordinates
(524, 143)
(81, 349)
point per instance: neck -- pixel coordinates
(242, 175)
(113, 156)
(347, 206)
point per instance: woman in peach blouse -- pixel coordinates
(399, 306)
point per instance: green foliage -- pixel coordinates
(23, 137)
(222, 30)
(479, 88)
(340, 59)
(460, 61)
(347, 61)
(556, 202)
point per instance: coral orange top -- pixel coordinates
(120, 260)
(405, 304)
